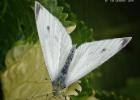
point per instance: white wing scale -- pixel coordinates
(55, 41)
(91, 55)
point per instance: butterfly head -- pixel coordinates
(58, 84)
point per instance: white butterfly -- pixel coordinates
(64, 62)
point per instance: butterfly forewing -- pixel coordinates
(91, 55)
(55, 42)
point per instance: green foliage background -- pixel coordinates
(117, 79)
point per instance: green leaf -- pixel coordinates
(26, 76)
(132, 88)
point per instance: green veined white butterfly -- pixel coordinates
(66, 63)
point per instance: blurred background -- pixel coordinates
(118, 78)
(110, 20)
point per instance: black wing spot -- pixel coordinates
(37, 9)
(48, 28)
(124, 41)
(103, 50)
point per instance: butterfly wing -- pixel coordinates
(55, 41)
(90, 55)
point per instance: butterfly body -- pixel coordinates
(66, 63)
(59, 82)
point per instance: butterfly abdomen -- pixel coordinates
(60, 81)
(68, 60)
